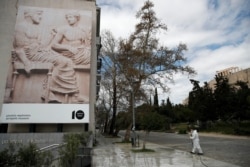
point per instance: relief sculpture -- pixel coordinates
(63, 50)
(72, 40)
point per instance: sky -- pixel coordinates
(216, 32)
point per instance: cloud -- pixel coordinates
(119, 16)
(216, 33)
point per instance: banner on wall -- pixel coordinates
(49, 78)
(40, 113)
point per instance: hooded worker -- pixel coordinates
(196, 141)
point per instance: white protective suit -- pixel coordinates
(196, 142)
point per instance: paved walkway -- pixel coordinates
(108, 153)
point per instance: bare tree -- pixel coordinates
(112, 83)
(140, 62)
(141, 58)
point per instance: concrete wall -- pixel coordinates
(8, 11)
(243, 75)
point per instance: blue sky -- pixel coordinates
(216, 32)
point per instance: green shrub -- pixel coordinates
(182, 131)
(24, 155)
(242, 131)
(142, 150)
(68, 152)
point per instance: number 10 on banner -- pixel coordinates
(79, 114)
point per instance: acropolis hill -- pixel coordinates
(233, 74)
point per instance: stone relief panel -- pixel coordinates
(51, 56)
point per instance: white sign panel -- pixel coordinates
(45, 113)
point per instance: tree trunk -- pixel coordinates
(144, 141)
(111, 132)
(105, 124)
(116, 131)
(127, 134)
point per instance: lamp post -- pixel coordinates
(133, 113)
(133, 117)
(133, 109)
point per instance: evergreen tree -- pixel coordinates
(208, 101)
(194, 99)
(227, 102)
(201, 101)
(243, 101)
(224, 98)
(156, 102)
(169, 104)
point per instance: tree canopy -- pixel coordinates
(225, 102)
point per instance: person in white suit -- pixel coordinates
(194, 136)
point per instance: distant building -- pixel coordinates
(233, 74)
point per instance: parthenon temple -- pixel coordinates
(228, 71)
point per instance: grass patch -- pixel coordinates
(181, 128)
(221, 128)
(123, 142)
(232, 128)
(142, 150)
(111, 136)
(180, 125)
(182, 131)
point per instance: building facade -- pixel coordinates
(49, 51)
